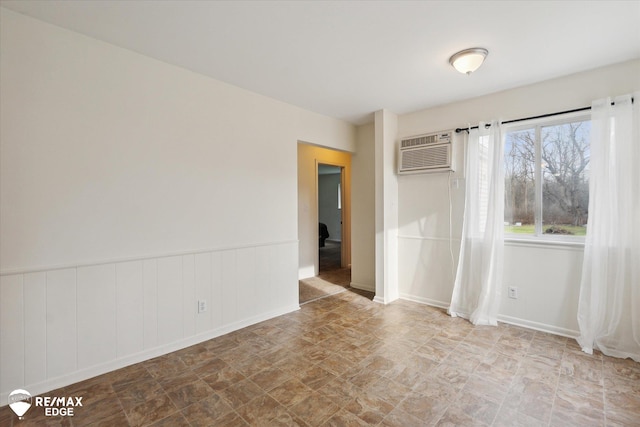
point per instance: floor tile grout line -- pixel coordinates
(555, 393)
(604, 394)
(384, 337)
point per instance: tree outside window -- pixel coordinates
(547, 178)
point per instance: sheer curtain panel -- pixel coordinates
(476, 291)
(609, 306)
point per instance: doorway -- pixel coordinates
(310, 158)
(330, 218)
(332, 267)
(324, 269)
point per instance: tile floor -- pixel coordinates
(346, 361)
(325, 284)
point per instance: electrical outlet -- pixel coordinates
(202, 305)
(513, 292)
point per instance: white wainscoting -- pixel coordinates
(547, 275)
(64, 325)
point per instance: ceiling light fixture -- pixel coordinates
(468, 60)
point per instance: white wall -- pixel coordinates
(548, 277)
(363, 227)
(386, 207)
(130, 189)
(427, 252)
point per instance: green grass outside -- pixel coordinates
(530, 229)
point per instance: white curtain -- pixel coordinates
(476, 291)
(609, 306)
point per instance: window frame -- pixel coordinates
(537, 125)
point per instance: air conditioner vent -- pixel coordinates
(426, 140)
(425, 158)
(426, 153)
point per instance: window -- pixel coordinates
(547, 178)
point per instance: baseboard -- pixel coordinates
(542, 327)
(85, 374)
(306, 272)
(427, 301)
(529, 324)
(362, 287)
(379, 300)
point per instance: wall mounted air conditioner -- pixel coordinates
(426, 153)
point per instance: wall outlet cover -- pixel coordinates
(202, 306)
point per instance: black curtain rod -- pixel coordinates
(458, 130)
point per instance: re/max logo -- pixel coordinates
(20, 401)
(58, 401)
(58, 406)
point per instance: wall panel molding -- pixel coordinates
(67, 325)
(430, 238)
(39, 269)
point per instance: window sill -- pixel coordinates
(546, 242)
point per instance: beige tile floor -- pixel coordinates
(346, 361)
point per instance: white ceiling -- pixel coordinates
(347, 59)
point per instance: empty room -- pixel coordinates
(319, 213)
